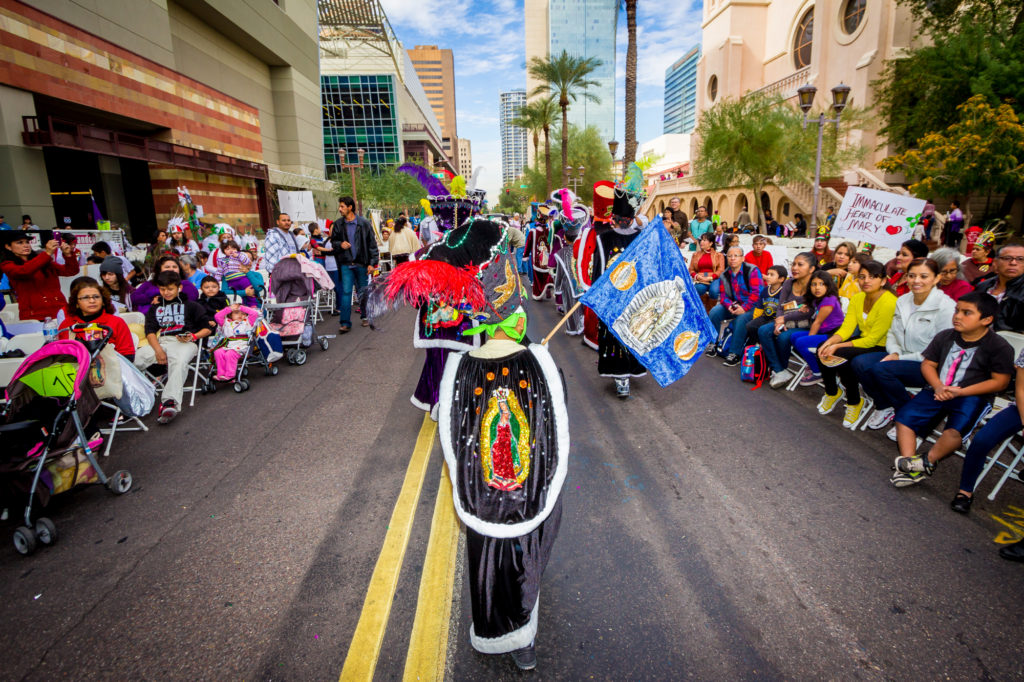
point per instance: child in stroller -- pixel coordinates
(235, 324)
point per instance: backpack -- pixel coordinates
(753, 366)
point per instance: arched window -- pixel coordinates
(853, 14)
(804, 40)
(713, 88)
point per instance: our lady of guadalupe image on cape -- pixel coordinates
(504, 442)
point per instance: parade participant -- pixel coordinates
(540, 244)
(614, 359)
(822, 254)
(505, 436)
(981, 264)
(573, 218)
(585, 248)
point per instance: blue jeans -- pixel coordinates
(710, 289)
(719, 314)
(521, 261)
(776, 348)
(351, 275)
(887, 382)
(803, 342)
(336, 278)
(995, 431)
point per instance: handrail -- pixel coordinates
(792, 81)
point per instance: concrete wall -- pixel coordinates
(24, 187)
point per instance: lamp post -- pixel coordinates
(840, 96)
(613, 147)
(352, 168)
(574, 181)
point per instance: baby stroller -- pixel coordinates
(45, 449)
(259, 352)
(294, 312)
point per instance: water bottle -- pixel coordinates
(49, 330)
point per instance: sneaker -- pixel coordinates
(961, 504)
(881, 418)
(525, 658)
(829, 402)
(781, 378)
(731, 360)
(344, 330)
(168, 411)
(891, 434)
(622, 388)
(809, 378)
(711, 351)
(852, 414)
(365, 322)
(902, 480)
(918, 464)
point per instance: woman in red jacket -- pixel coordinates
(35, 277)
(91, 303)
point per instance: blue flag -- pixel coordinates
(647, 300)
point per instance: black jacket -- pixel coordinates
(175, 317)
(1011, 308)
(366, 243)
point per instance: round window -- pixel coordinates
(713, 88)
(804, 40)
(853, 14)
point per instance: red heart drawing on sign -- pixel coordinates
(893, 229)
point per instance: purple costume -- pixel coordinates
(439, 342)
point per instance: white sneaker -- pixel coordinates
(781, 378)
(881, 418)
(891, 434)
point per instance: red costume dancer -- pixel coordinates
(539, 245)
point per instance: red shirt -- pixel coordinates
(36, 284)
(122, 337)
(763, 263)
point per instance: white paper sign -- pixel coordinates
(881, 218)
(298, 205)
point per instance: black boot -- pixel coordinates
(1014, 552)
(525, 658)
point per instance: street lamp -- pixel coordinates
(613, 147)
(352, 168)
(574, 181)
(840, 96)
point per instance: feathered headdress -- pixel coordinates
(432, 185)
(824, 231)
(426, 207)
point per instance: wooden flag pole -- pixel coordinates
(560, 323)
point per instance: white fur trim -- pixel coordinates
(544, 293)
(589, 344)
(450, 344)
(510, 641)
(419, 403)
(561, 415)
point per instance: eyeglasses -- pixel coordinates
(90, 297)
(1012, 259)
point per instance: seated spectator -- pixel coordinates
(793, 314)
(115, 286)
(843, 255)
(827, 311)
(822, 254)
(1007, 287)
(34, 276)
(801, 226)
(706, 266)
(719, 233)
(964, 367)
(951, 280)
(848, 287)
(190, 271)
(147, 293)
(759, 257)
(173, 326)
(981, 264)
(234, 324)
(740, 290)
(770, 225)
(767, 306)
(101, 252)
(869, 315)
(897, 267)
(211, 297)
(91, 303)
(920, 316)
(731, 240)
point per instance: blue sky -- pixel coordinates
(488, 43)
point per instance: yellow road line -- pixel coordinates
(361, 659)
(429, 641)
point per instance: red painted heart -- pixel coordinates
(893, 229)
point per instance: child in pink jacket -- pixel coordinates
(235, 323)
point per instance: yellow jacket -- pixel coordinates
(872, 330)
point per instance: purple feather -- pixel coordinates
(434, 187)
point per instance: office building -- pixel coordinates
(120, 98)
(513, 138)
(436, 70)
(681, 94)
(583, 28)
(465, 158)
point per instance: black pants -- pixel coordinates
(845, 373)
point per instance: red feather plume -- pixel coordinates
(416, 281)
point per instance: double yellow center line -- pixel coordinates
(429, 640)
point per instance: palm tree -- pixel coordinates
(629, 154)
(538, 116)
(566, 77)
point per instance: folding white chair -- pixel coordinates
(116, 426)
(1013, 470)
(796, 365)
(28, 343)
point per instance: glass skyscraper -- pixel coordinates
(513, 138)
(681, 94)
(586, 28)
(359, 113)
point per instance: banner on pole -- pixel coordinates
(881, 218)
(298, 205)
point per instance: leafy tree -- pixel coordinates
(539, 116)
(513, 199)
(568, 78)
(585, 148)
(756, 141)
(382, 187)
(982, 152)
(630, 149)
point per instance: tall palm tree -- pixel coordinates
(536, 117)
(567, 78)
(629, 154)
(527, 120)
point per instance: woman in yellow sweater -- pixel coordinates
(869, 315)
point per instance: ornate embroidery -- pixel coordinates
(508, 288)
(623, 276)
(504, 442)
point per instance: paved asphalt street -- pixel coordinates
(709, 532)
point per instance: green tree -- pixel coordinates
(757, 141)
(983, 152)
(629, 153)
(567, 78)
(382, 187)
(538, 116)
(513, 199)
(585, 148)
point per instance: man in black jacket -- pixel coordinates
(355, 249)
(1008, 287)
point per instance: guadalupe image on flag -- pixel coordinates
(648, 301)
